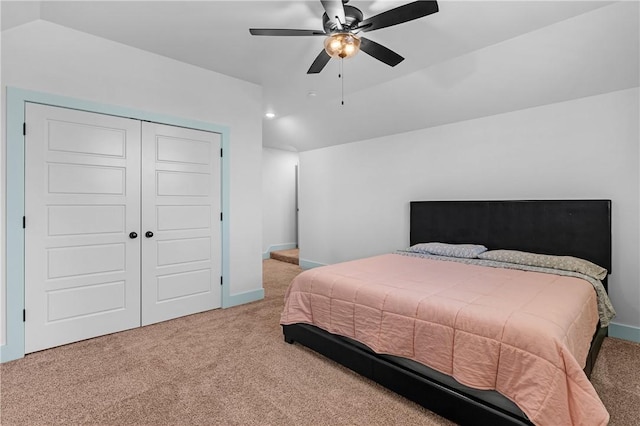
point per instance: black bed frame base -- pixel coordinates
(429, 393)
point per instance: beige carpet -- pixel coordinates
(232, 367)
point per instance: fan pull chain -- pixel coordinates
(341, 77)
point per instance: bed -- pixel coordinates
(578, 228)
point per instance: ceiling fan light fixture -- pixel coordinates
(342, 45)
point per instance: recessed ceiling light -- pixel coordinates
(312, 94)
(270, 115)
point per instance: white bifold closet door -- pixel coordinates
(95, 185)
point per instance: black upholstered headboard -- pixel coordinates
(580, 228)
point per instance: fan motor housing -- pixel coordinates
(352, 15)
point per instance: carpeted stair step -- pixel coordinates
(290, 256)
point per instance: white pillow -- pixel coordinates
(565, 263)
(468, 251)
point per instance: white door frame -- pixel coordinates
(15, 166)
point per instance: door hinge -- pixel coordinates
(24, 128)
(24, 222)
(24, 315)
(220, 280)
(220, 215)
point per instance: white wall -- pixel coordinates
(278, 199)
(49, 58)
(354, 198)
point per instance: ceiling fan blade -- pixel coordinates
(284, 32)
(398, 15)
(335, 11)
(380, 52)
(321, 60)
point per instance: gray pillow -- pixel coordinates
(565, 263)
(468, 251)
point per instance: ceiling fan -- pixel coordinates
(343, 23)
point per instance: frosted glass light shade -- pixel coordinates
(342, 45)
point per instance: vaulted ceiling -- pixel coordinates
(471, 59)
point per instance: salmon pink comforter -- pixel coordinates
(525, 334)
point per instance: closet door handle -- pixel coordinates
(133, 235)
(148, 234)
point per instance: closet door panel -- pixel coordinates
(181, 208)
(82, 199)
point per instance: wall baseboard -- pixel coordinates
(625, 332)
(242, 298)
(308, 264)
(276, 247)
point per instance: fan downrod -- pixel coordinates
(352, 15)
